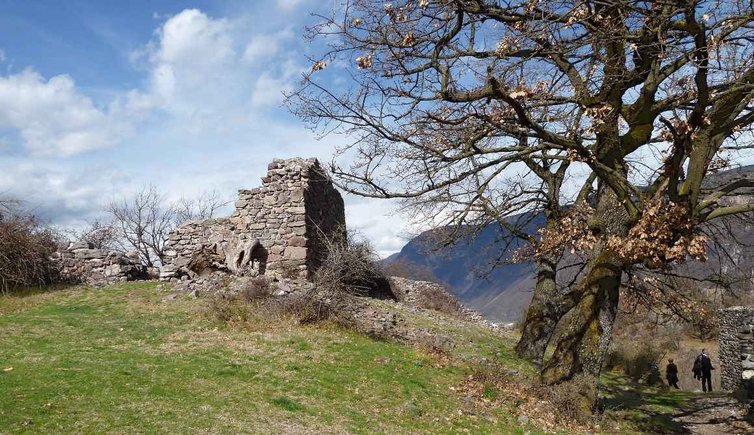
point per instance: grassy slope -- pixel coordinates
(120, 360)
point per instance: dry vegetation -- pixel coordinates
(25, 250)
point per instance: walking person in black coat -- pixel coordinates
(704, 363)
(671, 374)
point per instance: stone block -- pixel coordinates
(113, 270)
(297, 195)
(297, 241)
(87, 254)
(295, 253)
(80, 245)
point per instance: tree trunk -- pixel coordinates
(588, 329)
(543, 314)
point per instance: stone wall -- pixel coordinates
(736, 348)
(81, 263)
(276, 229)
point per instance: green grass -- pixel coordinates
(643, 408)
(119, 360)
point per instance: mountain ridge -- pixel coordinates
(502, 293)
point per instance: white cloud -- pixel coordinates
(289, 5)
(193, 63)
(202, 71)
(268, 91)
(260, 47)
(207, 72)
(52, 117)
(66, 195)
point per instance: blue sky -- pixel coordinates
(99, 98)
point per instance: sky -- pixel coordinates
(100, 98)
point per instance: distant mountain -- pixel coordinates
(502, 293)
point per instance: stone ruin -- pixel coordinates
(737, 349)
(278, 229)
(80, 263)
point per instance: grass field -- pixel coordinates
(122, 360)
(125, 359)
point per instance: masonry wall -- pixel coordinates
(736, 347)
(82, 263)
(275, 229)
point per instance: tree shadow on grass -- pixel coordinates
(660, 410)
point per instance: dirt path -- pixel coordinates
(713, 414)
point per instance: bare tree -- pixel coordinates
(472, 110)
(142, 223)
(205, 206)
(100, 233)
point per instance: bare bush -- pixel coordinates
(350, 267)
(257, 289)
(254, 305)
(26, 249)
(240, 306)
(226, 308)
(572, 399)
(437, 299)
(410, 270)
(641, 342)
(568, 403)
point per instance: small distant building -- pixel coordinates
(276, 229)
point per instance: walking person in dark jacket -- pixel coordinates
(704, 363)
(671, 374)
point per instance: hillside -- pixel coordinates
(129, 359)
(138, 358)
(502, 293)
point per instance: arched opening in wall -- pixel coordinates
(247, 259)
(258, 259)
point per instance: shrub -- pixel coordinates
(240, 304)
(410, 270)
(570, 403)
(573, 400)
(26, 250)
(350, 267)
(226, 308)
(433, 298)
(256, 289)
